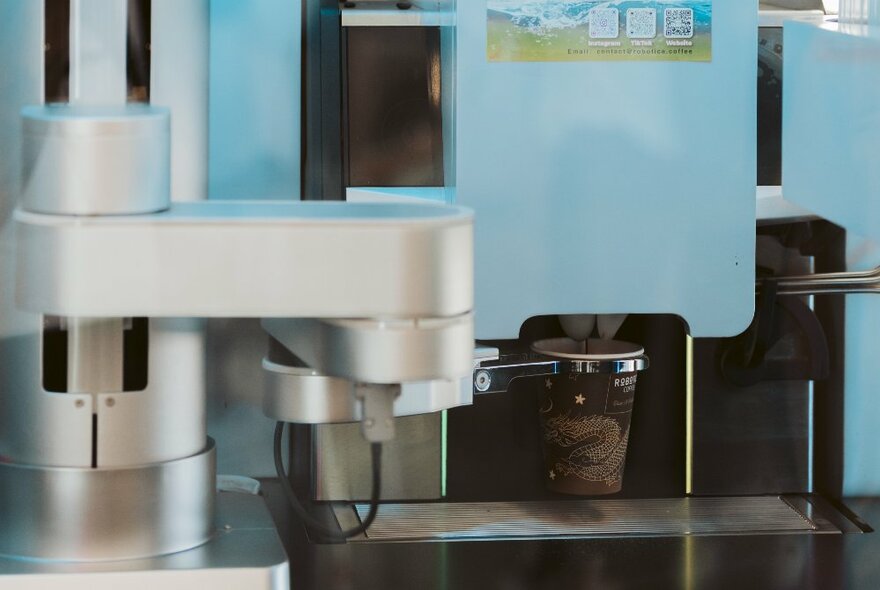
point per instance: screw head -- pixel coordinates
(79, 403)
(110, 402)
(483, 380)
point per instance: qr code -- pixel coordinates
(604, 23)
(641, 23)
(678, 23)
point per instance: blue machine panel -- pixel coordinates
(831, 123)
(610, 186)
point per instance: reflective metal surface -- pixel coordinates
(82, 514)
(756, 436)
(97, 52)
(381, 351)
(829, 283)
(165, 421)
(244, 552)
(412, 463)
(303, 395)
(96, 160)
(758, 562)
(493, 378)
(588, 518)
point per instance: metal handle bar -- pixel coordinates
(827, 283)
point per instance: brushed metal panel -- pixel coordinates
(109, 160)
(411, 463)
(245, 552)
(82, 514)
(303, 395)
(588, 518)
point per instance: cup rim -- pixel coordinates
(564, 348)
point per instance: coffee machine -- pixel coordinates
(608, 153)
(584, 166)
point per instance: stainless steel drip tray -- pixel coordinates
(485, 521)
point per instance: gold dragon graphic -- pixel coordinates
(601, 446)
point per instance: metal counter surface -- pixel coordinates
(802, 562)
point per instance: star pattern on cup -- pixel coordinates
(552, 474)
(548, 384)
(579, 399)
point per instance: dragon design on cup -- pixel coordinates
(600, 446)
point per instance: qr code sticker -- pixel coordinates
(678, 23)
(641, 23)
(604, 23)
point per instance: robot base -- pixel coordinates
(245, 552)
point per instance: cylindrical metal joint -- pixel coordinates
(88, 160)
(82, 514)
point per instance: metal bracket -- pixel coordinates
(377, 402)
(827, 283)
(497, 377)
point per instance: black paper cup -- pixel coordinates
(585, 413)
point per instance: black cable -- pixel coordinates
(309, 520)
